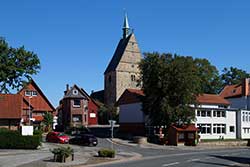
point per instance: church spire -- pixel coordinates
(125, 27)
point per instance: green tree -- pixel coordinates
(17, 66)
(171, 83)
(106, 113)
(233, 75)
(48, 121)
(209, 75)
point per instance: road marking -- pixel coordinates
(192, 160)
(174, 163)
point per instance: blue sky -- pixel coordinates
(75, 40)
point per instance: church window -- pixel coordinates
(132, 77)
(110, 79)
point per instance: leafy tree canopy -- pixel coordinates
(171, 83)
(48, 120)
(233, 75)
(106, 113)
(16, 66)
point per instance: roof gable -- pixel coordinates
(39, 102)
(130, 96)
(76, 92)
(231, 91)
(118, 54)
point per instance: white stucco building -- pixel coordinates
(214, 115)
(131, 117)
(239, 97)
(214, 118)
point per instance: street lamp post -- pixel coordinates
(29, 110)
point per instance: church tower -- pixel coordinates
(123, 71)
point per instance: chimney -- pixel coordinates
(67, 88)
(245, 87)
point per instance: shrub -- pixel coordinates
(106, 153)
(61, 153)
(14, 140)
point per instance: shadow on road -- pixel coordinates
(240, 160)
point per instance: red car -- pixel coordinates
(57, 137)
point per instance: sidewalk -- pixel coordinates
(200, 146)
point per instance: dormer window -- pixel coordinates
(234, 91)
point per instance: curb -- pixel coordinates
(135, 157)
(120, 143)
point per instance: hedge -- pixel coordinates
(14, 140)
(106, 153)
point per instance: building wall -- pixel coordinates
(131, 113)
(110, 88)
(229, 121)
(239, 102)
(12, 124)
(93, 117)
(68, 110)
(38, 102)
(243, 126)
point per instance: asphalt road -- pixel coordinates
(183, 157)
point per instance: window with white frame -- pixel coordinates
(246, 130)
(198, 113)
(203, 113)
(219, 128)
(77, 103)
(204, 128)
(34, 93)
(218, 113)
(243, 116)
(28, 93)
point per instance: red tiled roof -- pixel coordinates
(39, 102)
(38, 117)
(130, 96)
(231, 91)
(185, 128)
(212, 99)
(10, 106)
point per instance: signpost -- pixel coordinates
(112, 123)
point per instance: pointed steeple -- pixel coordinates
(125, 27)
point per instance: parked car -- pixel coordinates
(57, 137)
(84, 139)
